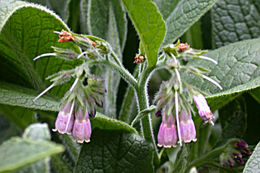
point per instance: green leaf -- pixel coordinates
(180, 17)
(103, 122)
(149, 25)
(18, 96)
(253, 164)
(37, 132)
(237, 70)
(18, 152)
(26, 30)
(115, 151)
(234, 21)
(233, 119)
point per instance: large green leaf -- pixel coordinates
(18, 96)
(18, 152)
(234, 21)
(107, 19)
(149, 25)
(115, 151)
(237, 70)
(253, 164)
(26, 30)
(180, 15)
(37, 132)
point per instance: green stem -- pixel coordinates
(124, 72)
(144, 104)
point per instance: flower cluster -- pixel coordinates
(175, 97)
(86, 92)
(235, 153)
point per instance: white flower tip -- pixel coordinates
(87, 140)
(61, 132)
(54, 130)
(79, 141)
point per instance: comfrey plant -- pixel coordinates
(126, 86)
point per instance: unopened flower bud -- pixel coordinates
(203, 108)
(139, 59)
(65, 36)
(183, 47)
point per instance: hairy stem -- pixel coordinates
(144, 104)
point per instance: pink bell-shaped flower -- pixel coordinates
(187, 127)
(167, 136)
(65, 119)
(82, 127)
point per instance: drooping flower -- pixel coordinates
(167, 136)
(203, 108)
(187, 127)
(65, 119)
(82, 127)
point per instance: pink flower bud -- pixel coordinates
(204, 110)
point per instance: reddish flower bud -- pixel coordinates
(139, 59)
(182, 47)
(65, 36)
